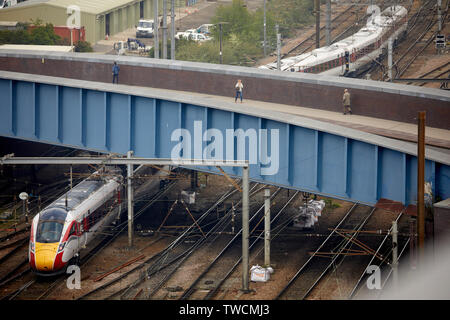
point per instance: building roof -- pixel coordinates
(88, 6)
(8, 23)
(36, 47)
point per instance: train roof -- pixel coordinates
(78, 194)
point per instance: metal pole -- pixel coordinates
(164, 53)
(245, 218)
(390, 59)
(395, 254)
(130, 200)
(267, 228)
(421, 188)
(265, 35)
(317, 11)
(278, 48)
(439, 15)
(172, 31)
(71, 178)
(220, 42)
(156, 30)
(24, 210)
(328, 23)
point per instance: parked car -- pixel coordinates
(205, 28)
(145, 29)
(181, 35)
(199, 37)
(191, 31)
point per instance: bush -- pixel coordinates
(40, 35)
(83, 46)
(329, 204)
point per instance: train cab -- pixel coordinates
(45, 248)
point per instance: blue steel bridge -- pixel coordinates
(313, 156)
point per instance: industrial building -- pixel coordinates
(99, 17)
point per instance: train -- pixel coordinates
(67, 225)
(344, 57)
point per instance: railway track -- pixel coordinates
(26, 285)
(312, 271)
(419, 35)
(338, 30)
(214, 273)
(385, 247)
(435, 73)
(156, 266)
(424, 29)
(256, 245)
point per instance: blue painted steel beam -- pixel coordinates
(309, 159)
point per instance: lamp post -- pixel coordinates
(24, 196)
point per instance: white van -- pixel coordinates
(145, 29)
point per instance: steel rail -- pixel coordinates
(311, 37)
(156, 256)
(189, 291)
(219, 284)
(188, 252)
(390, 270)
(355, 288)
(342, 248)
(312, 256)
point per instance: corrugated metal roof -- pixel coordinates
(36, 47)
(89, 6)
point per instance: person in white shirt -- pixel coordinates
(239, 86)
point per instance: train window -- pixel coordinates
(49, 231)
(50, 225)
(73, 230)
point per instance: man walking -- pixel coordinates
(239, 86)
(346, 102)
(115, 72)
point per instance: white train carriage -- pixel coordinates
(352, 52)
(68, 224)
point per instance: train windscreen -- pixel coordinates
(50, 226)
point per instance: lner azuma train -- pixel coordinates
(67, 225)
(348, 55)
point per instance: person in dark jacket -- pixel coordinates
(115, 72)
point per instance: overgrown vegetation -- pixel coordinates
(83, 46)
(38, 33)
(242, 32)
(330, 205)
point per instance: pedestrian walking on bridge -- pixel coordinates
(239, 86)
(115, 72)
(346, 102)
